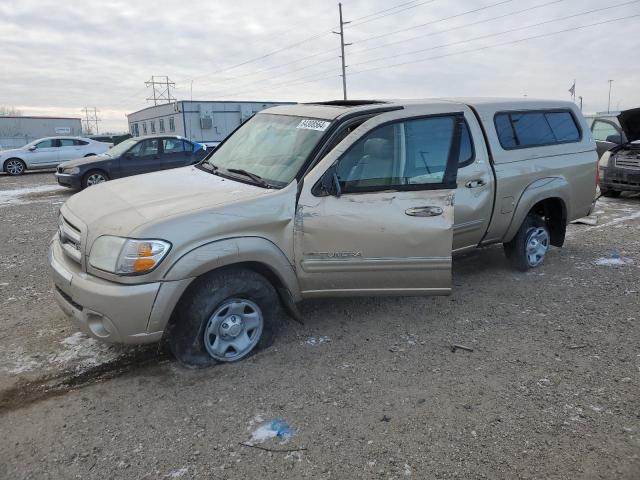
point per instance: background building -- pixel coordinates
(18, 131)
(200, 121)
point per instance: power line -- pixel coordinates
(496, 33)
(313, 37)
(355, 24)
(461, 52)
(432, 22)
(487, 47)
(439, 32)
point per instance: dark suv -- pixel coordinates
(619, 165)
(131, 157)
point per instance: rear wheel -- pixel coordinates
(14, 166)
(530, 245)
(223, 317)
(94, 177)
(610, 193)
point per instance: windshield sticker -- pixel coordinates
(310, 124)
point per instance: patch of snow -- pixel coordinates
(317, 340)
(613, 261)
(181, 472)
(12, 197)
(83, 351)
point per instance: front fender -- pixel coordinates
(237, 250)
(541, 189)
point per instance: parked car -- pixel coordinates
(318, 200)
(619, 166)
(49, 152)
(115, 139)
(131, 157)
(606, 131)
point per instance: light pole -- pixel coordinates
(609, 103)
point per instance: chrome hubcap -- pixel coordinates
(95, 178)
(233, 330)
(15, 167)
(537, 246)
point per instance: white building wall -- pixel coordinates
(200, 121)
(16, 132)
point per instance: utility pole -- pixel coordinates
(161, 85)
(342, 45)
(90, 120)
(609, 103)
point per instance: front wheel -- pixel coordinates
(14, 166)
(94, 177)
(530, 245)
(224, 316)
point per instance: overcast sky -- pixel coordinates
(58, 56)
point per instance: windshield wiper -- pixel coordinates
(256, 178)
(209, 167)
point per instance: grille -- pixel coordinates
(628, 160)
(69, 239)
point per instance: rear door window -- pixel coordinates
(535, 128)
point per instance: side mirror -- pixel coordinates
(32, 148)
(128, 156)
(330, 184)
(617, 139)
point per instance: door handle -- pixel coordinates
(428, 211)
(475, 183)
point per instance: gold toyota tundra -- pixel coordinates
(318, 200)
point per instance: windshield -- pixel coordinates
(121, 147)
(273, 147)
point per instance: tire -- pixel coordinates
(610, 193)
(530, 245)
(14, 166)
(210, 305)
(93, 178)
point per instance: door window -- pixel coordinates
(175, 145)
(144, 148)
(80, 142)
(66, 142)
(602, 130)
(47, 143)
(406, 154)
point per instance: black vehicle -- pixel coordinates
(131, 157)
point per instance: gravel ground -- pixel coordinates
(369, 388)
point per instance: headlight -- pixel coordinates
(126, 256)
(71, 171)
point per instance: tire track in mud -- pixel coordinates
(28, 392)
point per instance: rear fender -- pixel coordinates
(542, 189)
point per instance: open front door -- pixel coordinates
(375, 216)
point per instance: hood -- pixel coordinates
(12, 151)
(121, 206)
(84, 160)
(630, 123)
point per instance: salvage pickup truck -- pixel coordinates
(316, 200)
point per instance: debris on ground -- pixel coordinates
(613, 259)
(317, 340)
(457, 346)
(590, 220)
(276, 428)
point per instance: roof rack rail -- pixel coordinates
(348, 103)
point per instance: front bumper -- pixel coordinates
(67, 180)
(110, 311)
(615, 178)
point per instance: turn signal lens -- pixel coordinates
(145, 250)
(143, 264)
